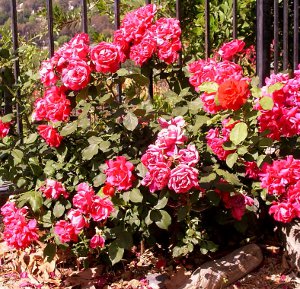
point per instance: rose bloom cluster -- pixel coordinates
(281, 179)
(87, 206)
(283, 120)
(233, 88)
(19, 232)
(216, 138)
(230, 49)
(118, 175)
(169, 163)
(139, 37)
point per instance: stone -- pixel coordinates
(291, 233)
(222, 272)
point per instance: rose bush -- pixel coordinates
(101, 172)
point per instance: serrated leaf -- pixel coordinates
(274, 87)
(165, 220)
(209, 87)
(58, 210)
(104, 145)
(161, 203)
(232, 179)
(182, 213)
(123, 72)
(266, 103)
(31, 138)
(7, 117)
(69, 128)
(231, 159)
(136, 196)
(18, 156)
(115, 252)
(95, 140)
(142, 170)
(130, 121)
(180, 111)
(90, 151)
(239, 133)
(99, 180)
(124, 239)
(35, 200)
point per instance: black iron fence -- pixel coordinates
(277, 36)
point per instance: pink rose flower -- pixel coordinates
(84, 198)
(77, 220)
(189, 156)
(143, 51)
(157, 178)
(283, 212)
(65, 231)
(183, 178)
(97, 241)
(53, 190)
(152, 156)
(230, 49)
(101, 208)
(76, 75)
(47, 73)
(119, 173)
(50, 135)
(106, 57)
(4, 128)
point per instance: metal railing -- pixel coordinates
(268, 19)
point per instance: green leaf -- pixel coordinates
(90, 151)
(136, 196)
(179, 111)
(209, 87)
(124, 240)
(239, 133)
(213, 197)
(266, 103)
(99, 180)
(31, 138)
(123, 72)
(161, 203)
(115, 252)
(46, 219)
(7, 117)
(18, 156)
(95, 140)
(130, 121)
(69, 128)
(34, 199)
(104, 146)
(49, 252)
(231, 159)
(276, 86)
(165, 221)
(232, 179)
(58, 210)
(182, 213)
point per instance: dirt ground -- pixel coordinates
(29, 270)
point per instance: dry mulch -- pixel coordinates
(28, 269)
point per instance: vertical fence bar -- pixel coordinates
(14, 27)
(207, 29)
(263, 39)
(150, 75)
(178, 16)
(276, 42)
(285, 34)
(117, 26)
(50, 27)
(234, 19)
(296, 35)
(84, 21)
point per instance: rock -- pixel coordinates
(292, 242)
(227, 270)
(156, 280)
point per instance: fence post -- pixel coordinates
(207, 29)
(84, 21)
(14, 28)
(263, 39)
(50, 27)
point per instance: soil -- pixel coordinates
(28, 269)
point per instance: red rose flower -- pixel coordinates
(229, 49)
(119, 173)
(4, 128)
(50, 135)
(232, 94)
(108, 190)
(106, 57)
